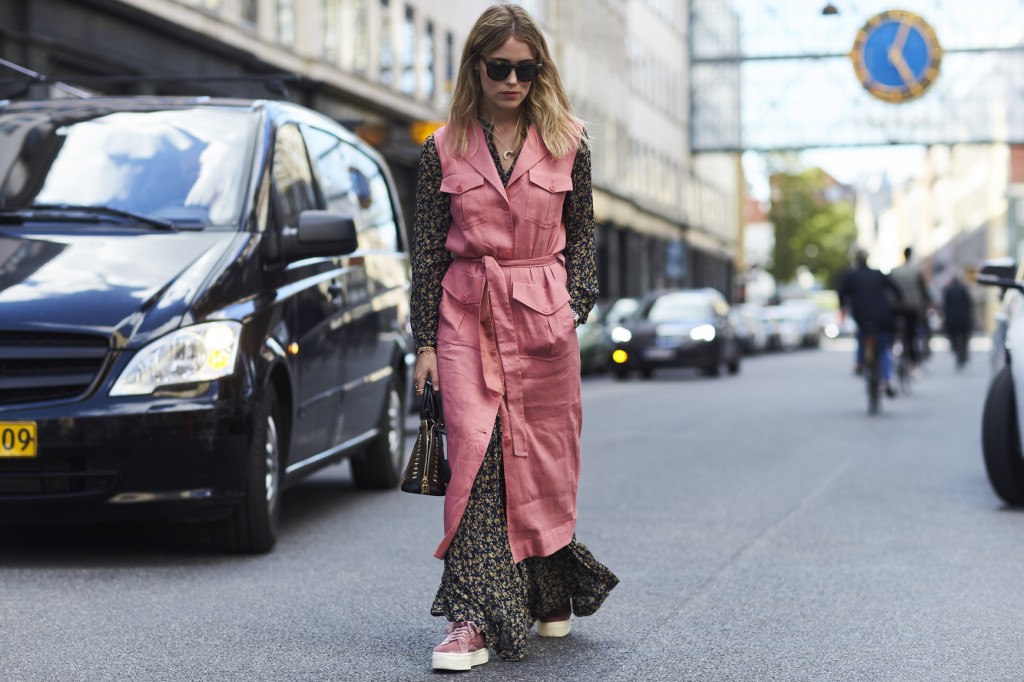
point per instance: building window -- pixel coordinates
(286, 21)
(213, 5)
(427, 45)
(332, 28)
(408, 47)
(356, 47)
(249, 11)
(387, 56)
(449, 62)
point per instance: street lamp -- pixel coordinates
(829, 10)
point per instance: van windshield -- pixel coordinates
(187, 166)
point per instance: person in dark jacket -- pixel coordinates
(867, 295)
(958, 319)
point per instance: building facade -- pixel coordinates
(664, 216)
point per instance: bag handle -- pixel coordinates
(430, 406)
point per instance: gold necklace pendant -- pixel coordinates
(509, 149)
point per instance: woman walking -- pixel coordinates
(503, 269)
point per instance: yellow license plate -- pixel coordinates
(18, 439)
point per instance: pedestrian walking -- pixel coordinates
(957, 318)
(503, 264)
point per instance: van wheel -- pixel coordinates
(252, 525)
(1000, 440)
(381, 466)
(714, 368)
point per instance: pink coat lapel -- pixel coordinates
(479, 157)
(532, 153)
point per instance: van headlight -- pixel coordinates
(190, 355)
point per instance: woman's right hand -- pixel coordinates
(426, 368)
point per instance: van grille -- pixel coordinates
(57, 475)
(41, 366)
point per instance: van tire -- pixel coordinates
(1000, 440)
(381, 466)
(251, 527)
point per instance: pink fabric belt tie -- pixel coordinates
(503, 372)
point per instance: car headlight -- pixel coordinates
(190, 355)
(704, 332)
(621, 335)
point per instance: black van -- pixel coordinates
(201, 302)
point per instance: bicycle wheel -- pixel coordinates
(873, 372)
(902, 362)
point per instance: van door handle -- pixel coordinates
(337, 291)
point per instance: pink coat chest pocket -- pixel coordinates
(468, 198)
(546, 197)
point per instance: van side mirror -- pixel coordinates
(999, 272)
(319, 234)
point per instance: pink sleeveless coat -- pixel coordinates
(506, 342)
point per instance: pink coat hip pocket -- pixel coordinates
(459, 316)
(543, 319)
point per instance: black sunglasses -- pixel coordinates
(499, 71)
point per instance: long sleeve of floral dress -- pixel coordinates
(430, 261)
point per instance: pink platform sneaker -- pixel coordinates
(557, 623)
(463, 648)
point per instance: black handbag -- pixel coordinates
(427, 472)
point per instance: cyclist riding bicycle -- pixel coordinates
(866, 293)
(912, 308)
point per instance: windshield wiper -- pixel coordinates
(108, 211)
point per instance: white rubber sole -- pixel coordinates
(444, 661)
(558, 628)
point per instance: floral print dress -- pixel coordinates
(480, 582)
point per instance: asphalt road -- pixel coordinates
(763, 526)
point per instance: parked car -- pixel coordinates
(595, 346)
(834, 325)
(751, 327)
(677, 328)
(618, 310)
(783, 331)
(201, 302)
(807, 318)
(1001, 434)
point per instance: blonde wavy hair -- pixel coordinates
(546, 105)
